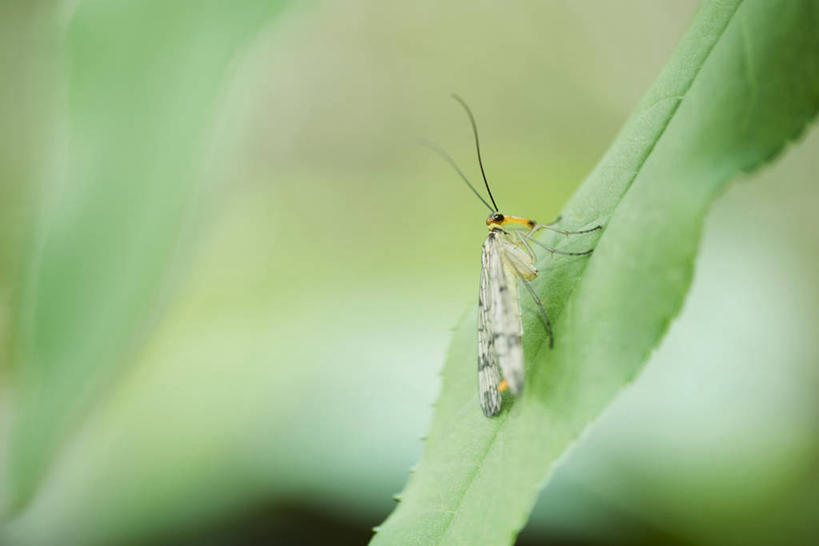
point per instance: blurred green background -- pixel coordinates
(228, 272)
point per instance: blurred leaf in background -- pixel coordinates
(257, 357)
(111, 220)
(28, 100)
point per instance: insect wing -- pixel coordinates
(488, 371)
(503, 314)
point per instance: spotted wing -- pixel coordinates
(503, 311)
(488, 371)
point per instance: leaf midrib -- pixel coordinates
(500, 420)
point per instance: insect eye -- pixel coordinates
(494, 218)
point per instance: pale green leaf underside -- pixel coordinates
(743, 82)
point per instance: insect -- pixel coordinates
(507, 261)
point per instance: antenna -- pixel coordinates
(477, 145)
(440, 151)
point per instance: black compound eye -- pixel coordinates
(494, 218)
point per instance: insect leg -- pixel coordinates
(539, 304)
(564, 232)
(528, 248)
(556, 251)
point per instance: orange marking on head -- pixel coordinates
(503, 386)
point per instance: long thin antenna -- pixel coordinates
(440, 151)
(477, 145)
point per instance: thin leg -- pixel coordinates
(564, 232)
(526, 245)
(540, 308)
(556, 251)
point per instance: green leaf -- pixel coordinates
(141, 83)
(743, 82)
